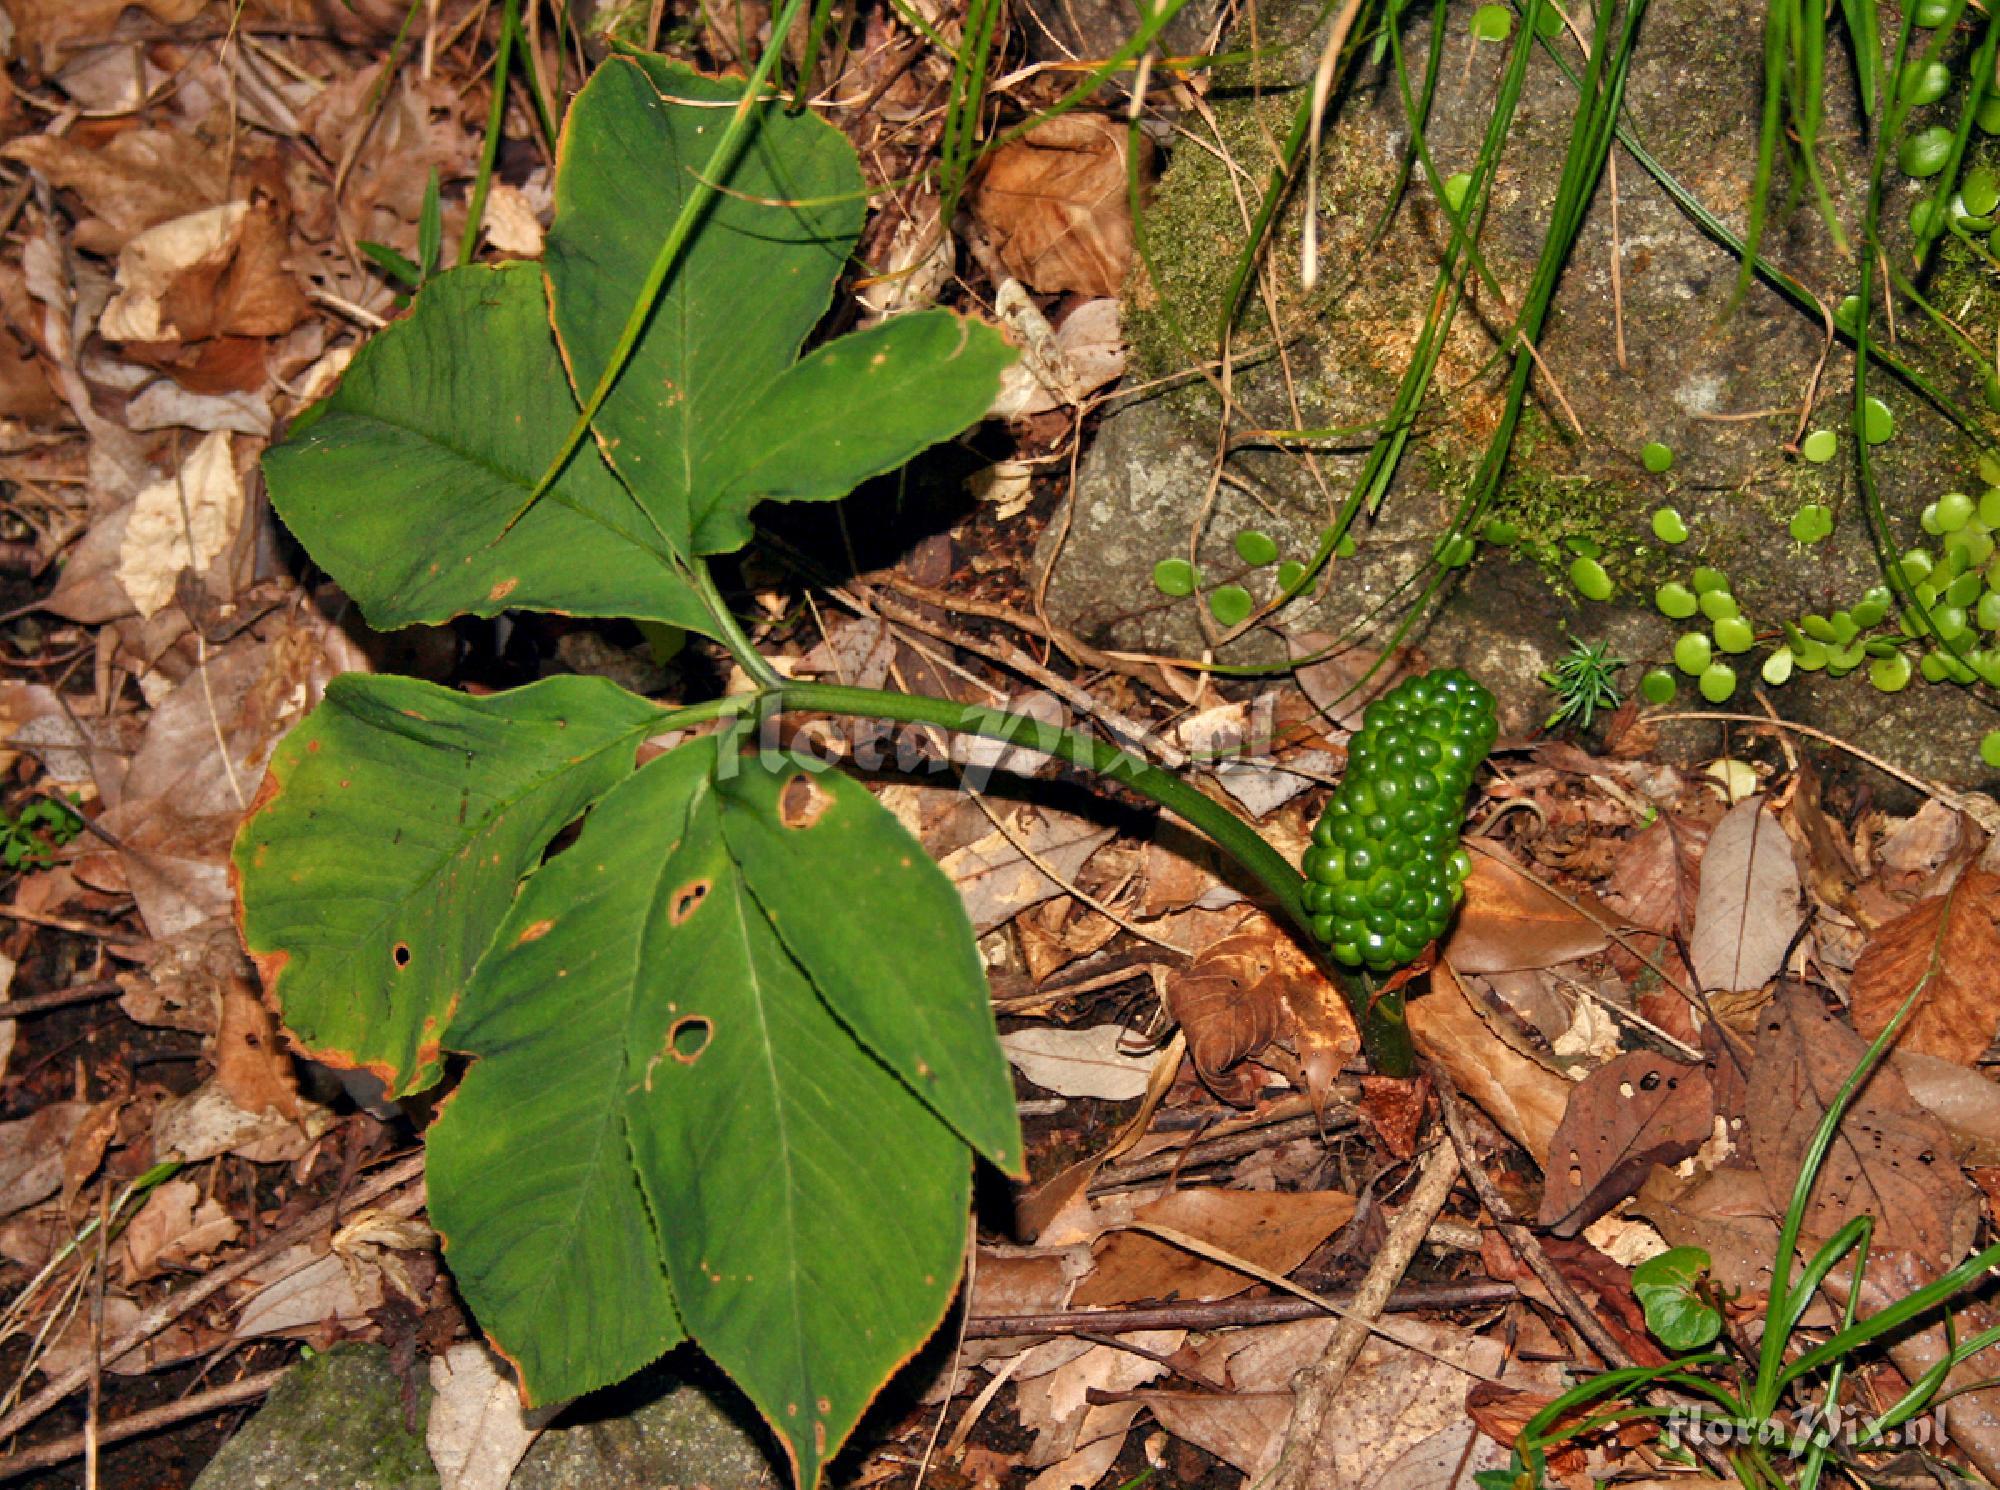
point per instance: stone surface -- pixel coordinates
(1718, 380)
(659, 1432)
(335, 1423)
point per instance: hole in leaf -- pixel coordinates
(686, 899)
(688, 1037)
(803, 802)
(400, 954)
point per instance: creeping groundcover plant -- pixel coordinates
(729, 1052)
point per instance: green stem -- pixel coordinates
(729, 631)
(1384, 1034)
(496, 118)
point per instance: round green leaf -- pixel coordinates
(1668, 1288)
(1668, 526)
(1501, 533)
(1590, 579)
(1719, 605)
(1923, 82)
(1989, 748)
(1812, 522)
(1230, 604)
(1718, 682)
(1455, 188)
(1777, 668)
(1676, 601)
(1492, 23)
(1925, 152)
(1256, 548)
(1733, 634)
(1290, 573)
(1705, 579)
(1980, 191)
(1656, 458)
(1878, 424)
(1693, 653)
(1657, 687)
(1819, 446)
(1890, 674)
(1954, 511)
(1174, 577)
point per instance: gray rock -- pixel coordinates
(680, 1435)
(335, 1423)
(1693, 352)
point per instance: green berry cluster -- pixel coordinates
(1385, 869)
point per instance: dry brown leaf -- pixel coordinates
(1398, 1420)
(176, 1227)
(182, 523)
(1510, 922)
(478, 1431)
(1106, 1061)
(1526, 1099)
(31, 1153)
(216, 272)
(1628, 1115)
(1275, 1230)
(1889, 1159)
(996, 879)
(1918, 845)
(1966, 1102)
(251, 1065)
(1658, 872)
(1334, 683)
(1055, 202)
(1251, 989)
(43, 30)
(131, 180)
(1955, 939)
(1748, 908)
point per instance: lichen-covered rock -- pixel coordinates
(337, 1422)
(1673, 356)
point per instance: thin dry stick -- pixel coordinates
(1218, 1314)
(1302, 1459)
(1915, 783)
(1517, 1236)
(172, 1307)
(62, 1450)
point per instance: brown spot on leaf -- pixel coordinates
(503, 589)
(803, 802)
(687, 899)
(536, 931)
(400, 954)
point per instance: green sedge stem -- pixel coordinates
(1384, 1034)
(716, 171)
(496, 116)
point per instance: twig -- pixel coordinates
(1218, 1314)
(1301, 1461)
(61, 1450)
(61, 923)
(172, 1307)
(76, 993)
